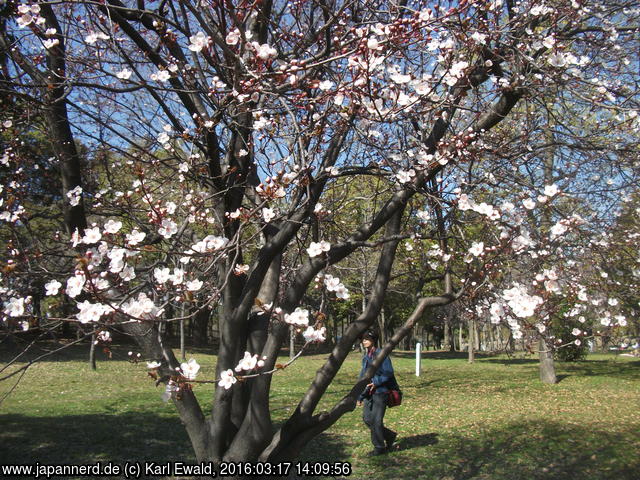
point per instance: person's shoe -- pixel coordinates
(376, 452)
(391, 440)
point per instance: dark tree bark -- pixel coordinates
(200, 330)
(62, 139)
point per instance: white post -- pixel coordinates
(418, 358)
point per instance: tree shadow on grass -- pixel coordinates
(609, 368)
(326, 447)
(589, 368)
(530, 450)
(86, 439)
(512, 361)
(539, 450)
(415, 441)
(63, 351)
(439, 355)
(546, 450)
(130, 437)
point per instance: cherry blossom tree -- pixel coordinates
(221, 137)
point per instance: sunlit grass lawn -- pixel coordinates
(488, 420)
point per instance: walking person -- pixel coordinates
(374, 396)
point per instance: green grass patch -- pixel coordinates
(488, 420)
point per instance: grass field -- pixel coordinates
(488, 420)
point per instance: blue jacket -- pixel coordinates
(384, 379)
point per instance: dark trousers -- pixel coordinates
(373, 415)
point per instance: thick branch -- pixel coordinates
(301, 418)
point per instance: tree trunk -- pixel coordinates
(452, 337)
(471, 326)
(547, 366)
(92, 353)
(491, 338)
(183, 355)
(382, 328)
(62, 139)
(292, 341)
(201, 320)
(447, 337)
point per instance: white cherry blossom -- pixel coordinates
(299, 316)
(161, 76)
(551, 190)
(241, 269)
(75, 285)
(112, 226)
(405, 176)
(318, 248)
(233, 37)
(92, 235)
(558, 229)
(464, 202)
(94, 37)
(247, 363)
(333, 284)
(476, 248)
(479, 38)
(135, 237)
(91, 312)
(190, 369)
(141, 307)
(164, 138)
(264, 51)
(168, 229)
(50, 43)
(162, 275)
(128, 273)
(557, 60)
(342, 292)
(52, 287)
(194, 285)
(313, 335)
(198, 42)
(210, 243)
(268, 214)
(521, 303)
(424, 216)
(170, 388)
(74, 196)
(227, 379)
(14, 307)
(178, 276)
(124, 74)
(400, 78)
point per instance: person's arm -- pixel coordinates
(384, 373)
